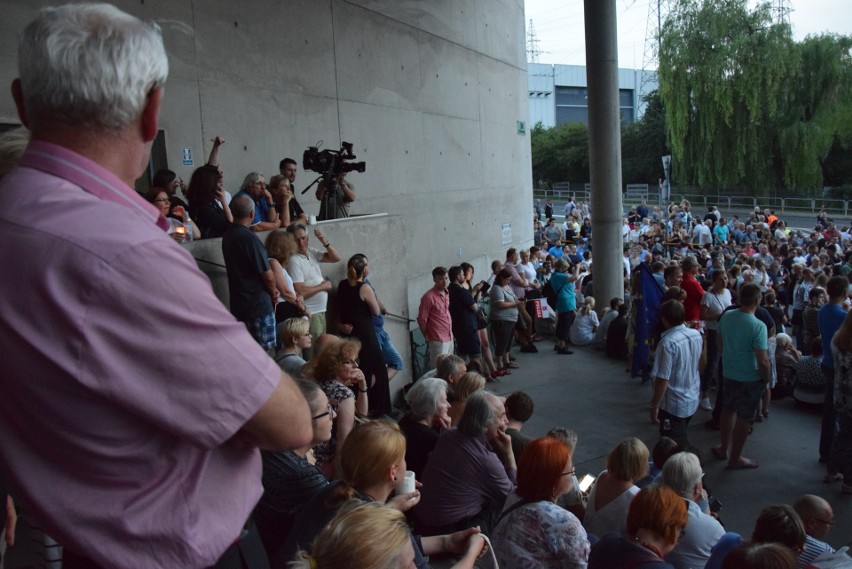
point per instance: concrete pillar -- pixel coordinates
(604, 149)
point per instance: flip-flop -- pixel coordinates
(513, 366)
(717, 452)
(747, 465)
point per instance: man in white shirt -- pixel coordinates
(675, 373)
(308, 279)
(702, 234)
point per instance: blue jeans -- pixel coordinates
(389, 353)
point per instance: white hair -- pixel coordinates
(89, 64)
(423, 397)
(782, 339)
(681, 473)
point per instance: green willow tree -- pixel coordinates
(745, 103)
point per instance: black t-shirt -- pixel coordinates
(295, 209)
(246, 260)
(420, 440)
(463, 318)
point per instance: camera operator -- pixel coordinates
(335, 197)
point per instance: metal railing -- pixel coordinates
(730, 202)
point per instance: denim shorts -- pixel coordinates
(389, 353)
(743, 398)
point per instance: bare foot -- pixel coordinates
(719, 453)
(743, 464)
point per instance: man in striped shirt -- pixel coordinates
(676, 383)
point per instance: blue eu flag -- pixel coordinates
(647, 318)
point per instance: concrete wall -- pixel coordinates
(429, 93)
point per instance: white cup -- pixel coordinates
(312, 220)
(406, 484)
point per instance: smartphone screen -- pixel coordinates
(586, 482)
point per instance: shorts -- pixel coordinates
(262, 329)
(389, 353)
(743, 398)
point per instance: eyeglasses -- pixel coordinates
(570, 472)
(162, 200)
(328, 411)
(350, 362)
(826, 522)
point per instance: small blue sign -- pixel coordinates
(186, 154)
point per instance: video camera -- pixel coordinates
(330, 163)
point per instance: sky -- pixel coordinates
(559, 27)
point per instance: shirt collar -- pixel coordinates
(89, 176)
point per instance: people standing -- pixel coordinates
(433, 317)
(90, 91)
(830, 318)
(251, 284)
(308, 280)
(675, 374)
(745, 363)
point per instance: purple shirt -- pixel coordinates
(462, 477)
(123, 376)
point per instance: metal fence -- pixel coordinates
(633, 195)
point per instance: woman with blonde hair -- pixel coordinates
(365, 535)
(371, 464)
(336, 371)
(609, 498)
(585, 324)
(359, 307)
(280, 247)
(295, 336)
(467, 385)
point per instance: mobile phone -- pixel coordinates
(586, 482)
(715, 505)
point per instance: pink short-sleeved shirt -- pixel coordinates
(434, 316)
(123, 377)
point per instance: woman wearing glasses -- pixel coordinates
(176, 215)
(533, 531)
(336, 371)
(291, 478)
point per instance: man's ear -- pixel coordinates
(150, 114)
(18, 95)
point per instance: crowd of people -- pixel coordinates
(257, 438)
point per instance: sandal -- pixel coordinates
(513, 365)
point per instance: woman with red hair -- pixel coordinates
(533, 531)
(655, 520)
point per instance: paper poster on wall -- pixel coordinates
(507, 233)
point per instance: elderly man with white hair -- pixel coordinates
(682, 473)
(157, 398)
(471, 471)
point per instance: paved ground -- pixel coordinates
(595, 397)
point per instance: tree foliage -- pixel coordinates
(643, 144)
(560, 154)
(746, 104)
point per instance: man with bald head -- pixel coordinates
(817, 517)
